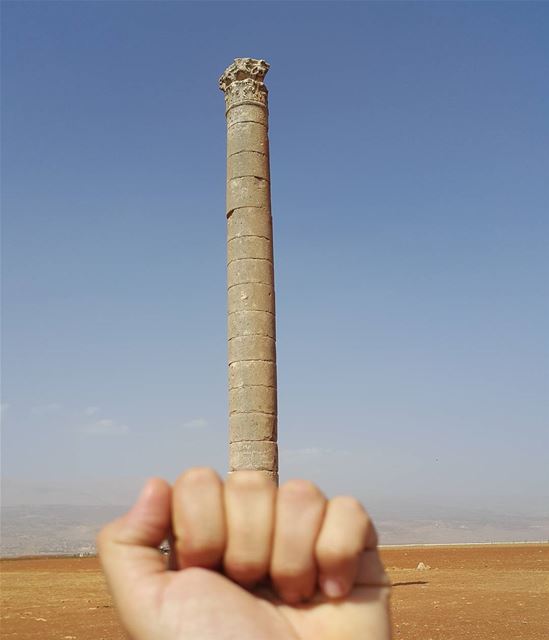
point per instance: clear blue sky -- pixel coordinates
(410, 200)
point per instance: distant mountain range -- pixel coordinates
(71, 529)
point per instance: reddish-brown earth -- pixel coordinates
(476, 593)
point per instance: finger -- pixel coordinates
(249, 509)
(198, 518)
(299, 513)
(345, 533)
(371, 571)
(128, 546)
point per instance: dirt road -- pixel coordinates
(474, 593)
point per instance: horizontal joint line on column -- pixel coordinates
(234, 440)
(249, 413)
(230, 313)
(253, 335)
(235, 153)
(257, 335)
(264, 124)
(250, 206)
(249, 175)
(249, 386)
(243, 102)
(249, 235)
(252, 360)
(269, 470)
(250, 258)
(238, 284)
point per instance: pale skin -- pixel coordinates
(251, 562)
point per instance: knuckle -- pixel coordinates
(361, 520)
(350, 504)
(197, 475)
(301, 489)
(363, 525)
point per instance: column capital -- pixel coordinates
(242, 82)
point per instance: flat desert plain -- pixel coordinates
(498, 592)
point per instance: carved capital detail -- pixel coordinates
(242, 82)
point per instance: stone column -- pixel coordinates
(250, 277)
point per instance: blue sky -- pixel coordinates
(409, 154)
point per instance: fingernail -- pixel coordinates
(332, 587)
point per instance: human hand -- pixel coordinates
(254, 563)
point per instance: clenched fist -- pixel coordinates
(250, 562)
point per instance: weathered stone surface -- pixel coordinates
(252, 426)
(251, 323)
(248, 163)
(250, 221)
(252, 399)
(248, 191)
(242, 83)
(249, 247)
(252, 348)
(247, 136)
(250, 273)
(247, 113)
(250, 270)
(253, 455)
(243, 69)
(253, 296)
(250, 373)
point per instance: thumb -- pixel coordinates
(128, 546)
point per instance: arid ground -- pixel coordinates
(469, 592)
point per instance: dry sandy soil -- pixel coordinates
(475, 592)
